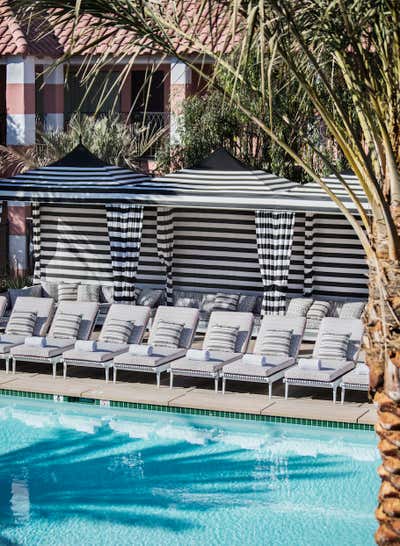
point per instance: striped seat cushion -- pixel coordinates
(222, 338)
(116, 331)
(67, 291)
(276, 342)
(167, 334)
(66, 326)
(226, 302)
(21, 323)
(333, 346)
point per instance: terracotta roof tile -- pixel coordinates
(52, 39)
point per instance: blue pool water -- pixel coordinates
(77, 475)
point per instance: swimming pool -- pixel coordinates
(75, 475)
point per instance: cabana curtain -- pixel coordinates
(36, 239)
(274, 246)
(165, 247)
(309, 254)
(124, 223)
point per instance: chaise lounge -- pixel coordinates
(160, 351)
(276, 349)
(335, 353)
(72, 321)
(227, 336)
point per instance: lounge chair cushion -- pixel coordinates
(333, 346)
(7, 341)
(117, 331)
(352, 310)
(105, 351)
(354, 378)
(298, 307)
(66, 326)
(67, 291)
(138, 315)
(221, 338)
(86, 310)
(330, 370)
(217, 360)
(319, 309)
(179, 315)
(53, 347)
(276, 342)
(275, 365)
(161, 355)
(88, 292)
(44, 309)
(21, 323)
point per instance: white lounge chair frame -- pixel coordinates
(116, 311)
(351, 386)
(244, 321)
(340, 326)
(272, 322)
(85, 330)
(186, 315)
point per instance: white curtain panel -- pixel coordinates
(124, 223)
(274, 232)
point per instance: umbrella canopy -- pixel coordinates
(79, 176)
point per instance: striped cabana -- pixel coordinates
(212, 241)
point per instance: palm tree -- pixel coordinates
(345, 56)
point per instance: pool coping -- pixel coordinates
(59, 398)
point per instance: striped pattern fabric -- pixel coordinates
(333, 346)
(319, 310)
(66, 326)
(274, 232)
(78, 177)
(21, 323)
(167, 334)
(88, 292)
(67, 291)
(276, 342)
(226, 302)
(116, 331)
(125, 224)
(222, 338)
(36, 242)
(299, 307)
(165, 248)
(309, 254)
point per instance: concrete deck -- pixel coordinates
(193, 393)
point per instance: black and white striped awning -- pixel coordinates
(219, 182)
(78, 177)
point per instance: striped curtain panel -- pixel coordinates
(36, 239)
(274, 232)
(309, 254)
(165, 247)
(124, 224)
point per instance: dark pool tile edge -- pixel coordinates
(191, 411)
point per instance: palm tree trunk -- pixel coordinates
(383, 357)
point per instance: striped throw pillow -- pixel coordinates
(298, 307)
(88, 292)
(66, 326)
(117, 331)
(333, 346)
(222, 338)
(319, 310)
(276, 342)
(167, 334)
(21, 323)
(226, 302)
(67, 291)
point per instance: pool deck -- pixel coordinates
(195, 394)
